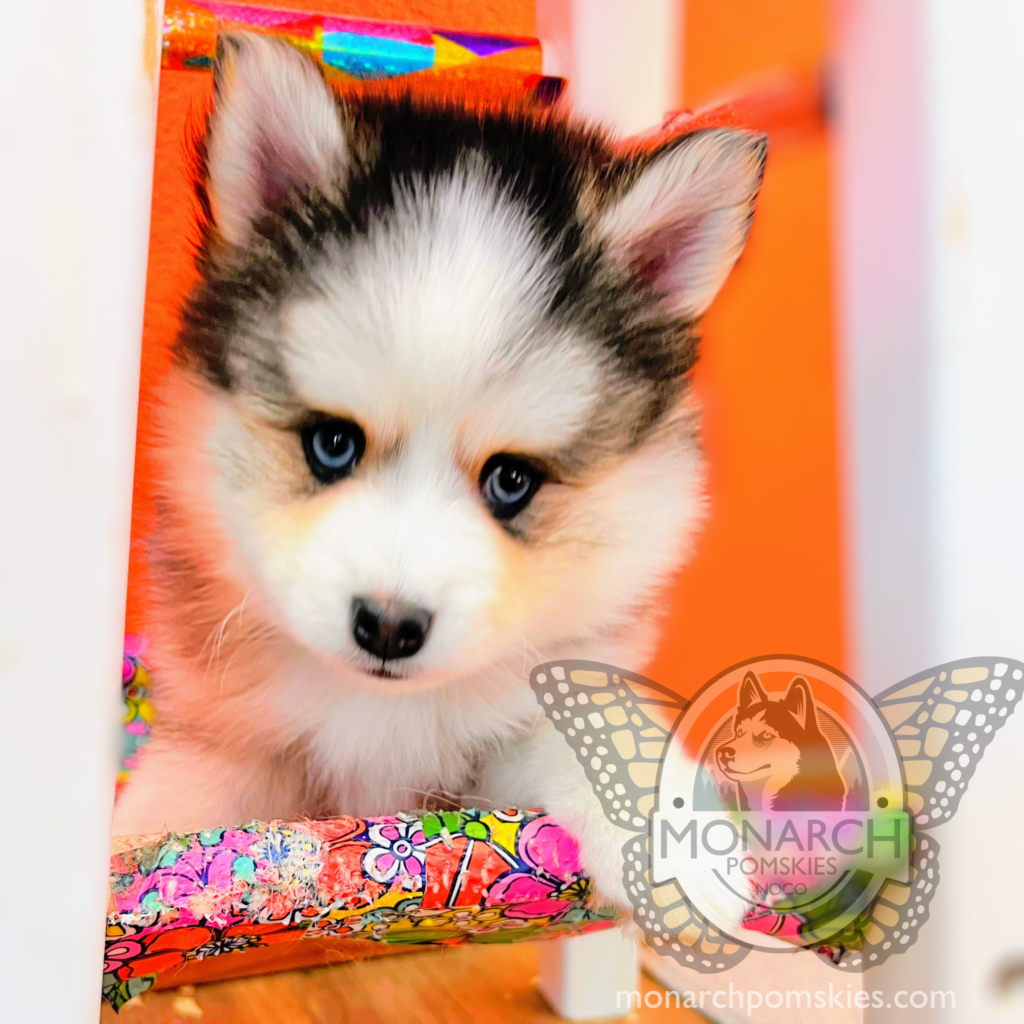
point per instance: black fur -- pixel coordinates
(538, 159)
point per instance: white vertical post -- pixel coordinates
(76, 152)
(623, 62)
(930, 161)
(585, 977)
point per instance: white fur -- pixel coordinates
(694, 201)
(280, 117)
(444, 301)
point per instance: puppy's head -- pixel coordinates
(431, 385)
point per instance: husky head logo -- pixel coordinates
(826, 840)
(778, 757)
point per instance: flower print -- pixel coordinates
(548, 848)
(525, 895)
(203, 880)
(354, 925)
(554, 883)
(383, 915)
(119, 993)
(509, 814)
(168, 948)
(342, 878)
(119, 953)
(265, 934)
(467, 919)
(334, 830)
(398, 846)
(159, 951)
(785, 925)
(599, 925)
(223, 944)
(134, 727)
(279, 905)
(289, 855)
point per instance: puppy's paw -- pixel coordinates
(601, 854)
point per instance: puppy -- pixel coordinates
(428, 426)
(778, 757)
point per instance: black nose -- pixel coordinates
(726, 753)
(389, 631)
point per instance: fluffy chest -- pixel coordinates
(372, 752)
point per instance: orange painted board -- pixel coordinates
(766, 577)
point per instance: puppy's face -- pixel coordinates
(436, 365)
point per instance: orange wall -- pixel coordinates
(766, 576)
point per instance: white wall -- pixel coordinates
(930, 162)
(76, 150)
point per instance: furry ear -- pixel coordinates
(751, 692)
(798, 701)
(275, 125)
(680, 217)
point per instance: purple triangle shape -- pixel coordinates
(483, 46)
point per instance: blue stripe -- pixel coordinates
(375, 56)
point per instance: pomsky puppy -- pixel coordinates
(428, 426)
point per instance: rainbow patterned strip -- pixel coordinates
(354, 48)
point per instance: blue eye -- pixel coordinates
(333, 448)
(507, 483)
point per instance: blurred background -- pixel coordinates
(860, 373)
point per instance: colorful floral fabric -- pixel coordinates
(448, 877)
(451, 877)
(138, 711)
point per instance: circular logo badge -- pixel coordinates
(781, 804)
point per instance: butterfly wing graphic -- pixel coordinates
(671, 924)
(894, 918)
(943, 720)
(618, 724)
